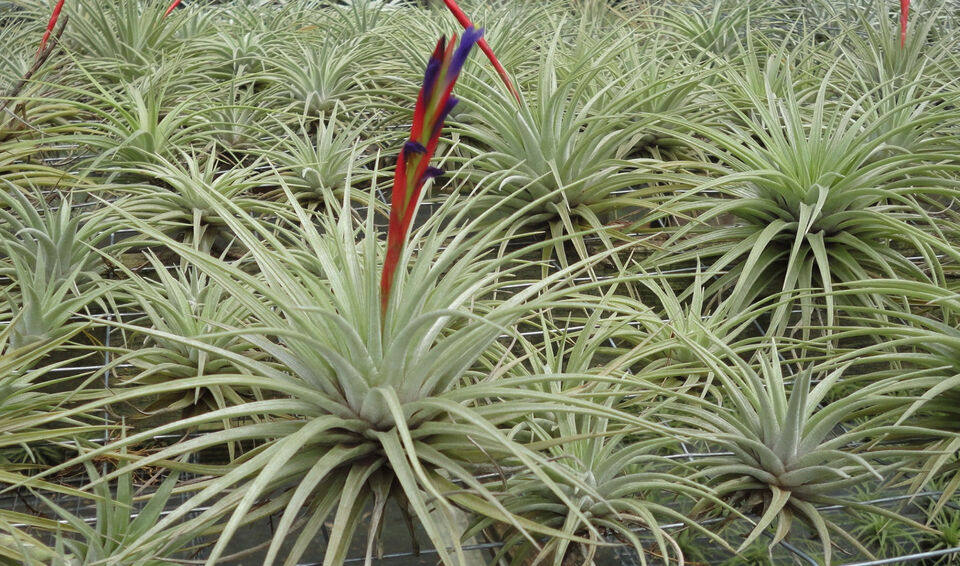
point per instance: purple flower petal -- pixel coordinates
(451, 102)
(470, 36)
(430, 76)
(431, 173)
(413, 147)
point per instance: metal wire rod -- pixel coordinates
(908, 557)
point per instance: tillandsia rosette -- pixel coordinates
(55, 16)
(434, 103)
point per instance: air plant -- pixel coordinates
(117, 522)
(240, 53)
(182, 205)
(372, 400)
(55, 17)
(15, 62)
(637, 488)
(920, 60)
(344, 366)
(51, 232)
(318, 166)
(362, 406)
(134, 126)
(313, 79)
(946, 519)
(782, 445)
(813, 205)
(49, 257)
(564, 153)
(43, 308)
(184, 303)
(709, 27)
(883, 535)
(124, 38)
(240, 123)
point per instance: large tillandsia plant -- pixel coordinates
(817, 199)
(369, 390)
(362, 408)
(561, 149)
(791, 446)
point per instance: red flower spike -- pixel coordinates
(413, 165)
(173, 5)
(904, 12)
(50, 25)
(466, 23)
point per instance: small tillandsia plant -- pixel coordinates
(186, 304)
(117, 522)
(635, 491)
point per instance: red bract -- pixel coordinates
(173, 5)
(50, 25)
(904, 12)
(413, 165)
(482, 43)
